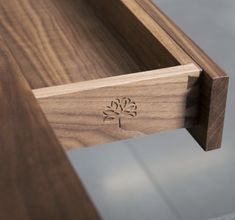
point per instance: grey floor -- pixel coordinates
(167, 176)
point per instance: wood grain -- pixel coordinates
(157, 100)
(59, 42)
(36, 179)
(149, 43)
(214, 86)
(62, 42)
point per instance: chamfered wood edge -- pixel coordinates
(208, 132)
(188, 69)
(37, 180)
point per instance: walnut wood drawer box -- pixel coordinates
(77, 73)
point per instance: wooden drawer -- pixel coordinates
(98, 71)
(84, 60)
(120, 107)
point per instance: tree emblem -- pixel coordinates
(120, 108)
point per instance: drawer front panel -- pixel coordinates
(144, 103)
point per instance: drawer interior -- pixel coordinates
(58, 42)
(83, 57)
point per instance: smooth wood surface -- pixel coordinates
(214, 85)
(133, 104)
(37, 181)
(150, 44)
(62, 41)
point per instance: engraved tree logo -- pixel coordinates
(120, 108)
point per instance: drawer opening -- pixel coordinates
(66, 41)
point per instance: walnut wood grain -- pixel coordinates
(59, 42)
(158, 100)
(214, 84)
(37, 181)
(149, 43)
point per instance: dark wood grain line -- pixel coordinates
(59, 42)
(151, 46)
(36, 179)
(214, 82)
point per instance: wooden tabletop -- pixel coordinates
(36, 179)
